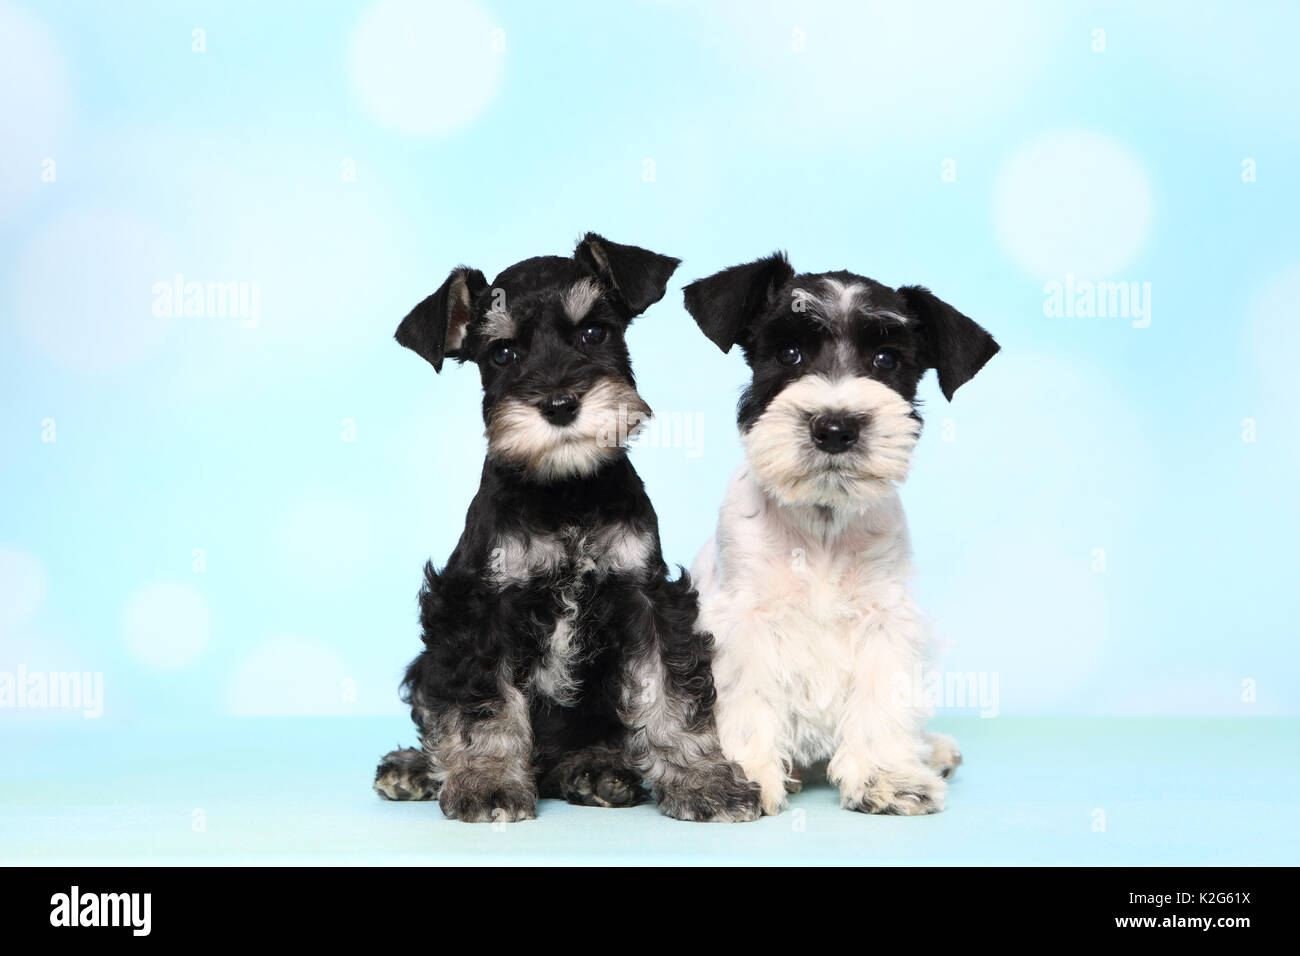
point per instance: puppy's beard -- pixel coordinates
(793, 471)
(610, 413)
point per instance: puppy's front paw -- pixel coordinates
(945, 755)
(907, 793)
(773, 786)
(722, 796)
(503, 804)
(602, 781)
(405, 775)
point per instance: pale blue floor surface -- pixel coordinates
(1045, 791)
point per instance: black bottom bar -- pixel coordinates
(309, 904)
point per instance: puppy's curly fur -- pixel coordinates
(805, 584)
(560, 658)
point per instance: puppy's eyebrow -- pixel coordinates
(884, 316)
(835, 302)
(843, 298)
(809, 307)
(579, 298)
(498, 323)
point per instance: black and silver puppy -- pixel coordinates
(560, 660)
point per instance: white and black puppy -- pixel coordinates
(805, 584)
(559, 658)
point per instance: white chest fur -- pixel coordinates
(797, 600)
(570, 552)
(563, 559)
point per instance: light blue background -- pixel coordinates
(822, 129)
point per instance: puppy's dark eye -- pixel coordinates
(592, 335)
(789, 355)
(502, 355)
(885, 360)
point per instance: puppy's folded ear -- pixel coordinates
(636, 278)
(436, 327)
(955, 346)
(726, 304)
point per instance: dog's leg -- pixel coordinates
(673, 742)
(474, 723)
(406, 775)
(945, 756)
(751, 724)
(596, 776)
(667, 707)
(879, 763)
(482, 754)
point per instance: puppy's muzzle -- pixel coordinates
(835, 434)
(560, 408)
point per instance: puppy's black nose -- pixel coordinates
(560, 408)
(834, 433)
